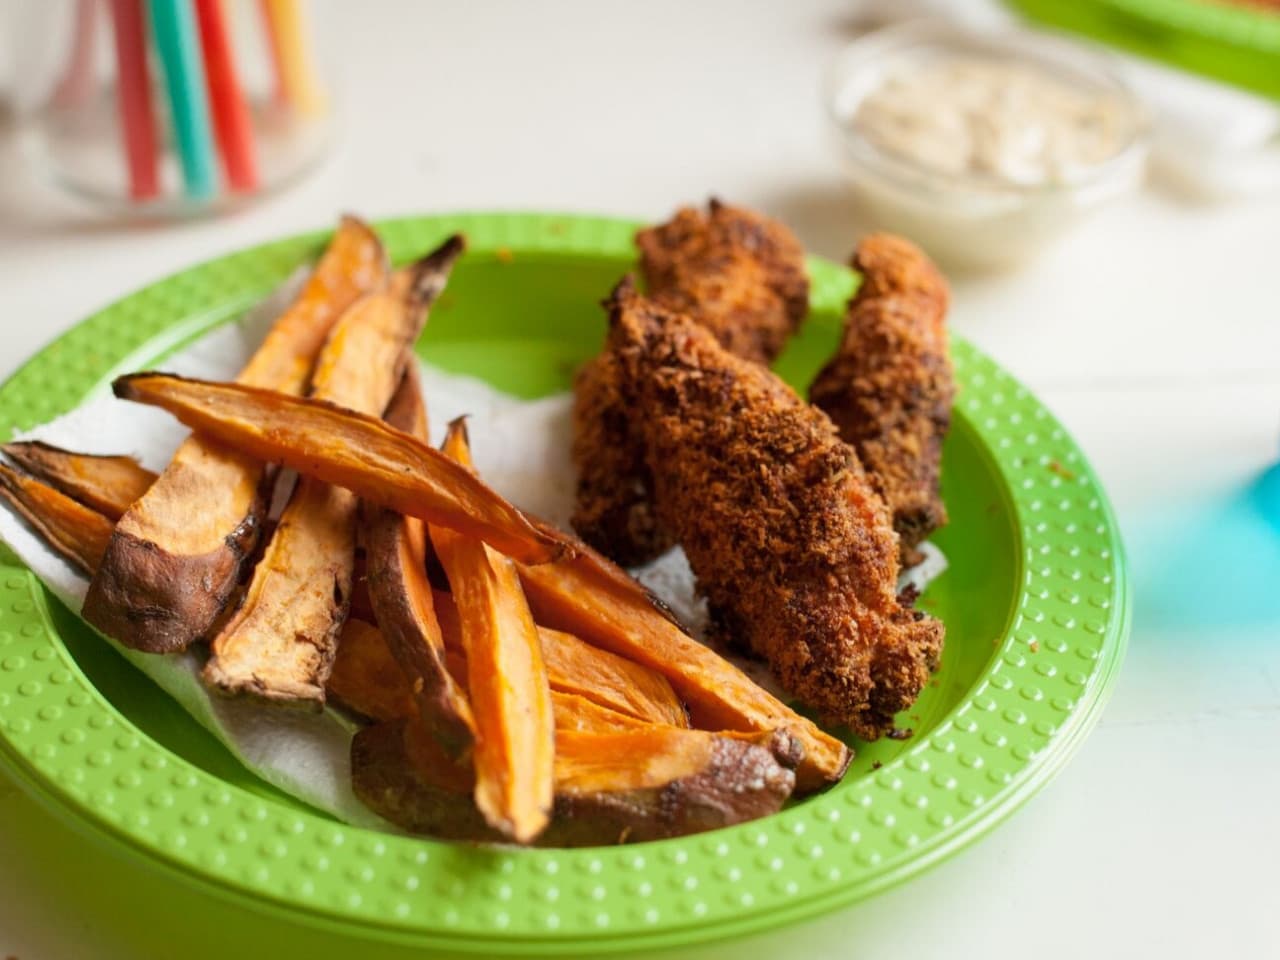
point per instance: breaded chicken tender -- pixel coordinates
(791, 545)
(889, 388)
(735, 272)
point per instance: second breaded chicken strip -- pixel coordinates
(789, 542)
(889, 387)
(735, 272)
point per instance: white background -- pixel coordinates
(1153, 332)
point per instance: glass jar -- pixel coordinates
(170, 107)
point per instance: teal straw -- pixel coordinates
(174, 26)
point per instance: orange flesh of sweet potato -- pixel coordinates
(575, 713)
(506, 678)
(655, 755)
(575, 666)
(379, 463)
(583, 596)
(75, 531)
(280, 644)
(400, 774)
(178, 552)
(365, 677)
(395, 551)
(609, 680)
(107, 484)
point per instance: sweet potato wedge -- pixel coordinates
(279, 645)
(178, 552)
(107, 484)
(575, 666)
(589, 597)
(645, 784)
(379, 463)
(76, 532)
(506, 677)
(395, 552)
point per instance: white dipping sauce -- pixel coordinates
(964, 117)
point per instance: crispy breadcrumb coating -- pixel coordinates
(889, 387)
(737, 273)
(790, 543)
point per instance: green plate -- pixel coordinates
(1035, 601)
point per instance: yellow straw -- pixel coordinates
(297, 69)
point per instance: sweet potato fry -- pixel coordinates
(506, 677)
(589, 597)
(395, 551)
(379, 463)
(575, 666)
(76, 532)
(655, 782)
(644, 784)
(107, 484)
(280, 643)
(179, 551)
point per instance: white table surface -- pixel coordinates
(1153, 332)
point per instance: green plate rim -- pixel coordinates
(1066, 635)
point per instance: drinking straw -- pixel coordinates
(77, 76)
(133, 89)
(231, 123)
(174, 28)
(287, 28)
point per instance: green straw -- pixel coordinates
(178, 43)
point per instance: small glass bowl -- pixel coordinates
(972, 219)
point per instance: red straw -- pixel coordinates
(137, 117)
(231, 123)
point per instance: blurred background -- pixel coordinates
(1148, 321)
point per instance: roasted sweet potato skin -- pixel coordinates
(379, 463)
(714, 782)
(401, 596)
(107, 484)
(387, 783)
(178, 552)
(79, 534)
(280, 644)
